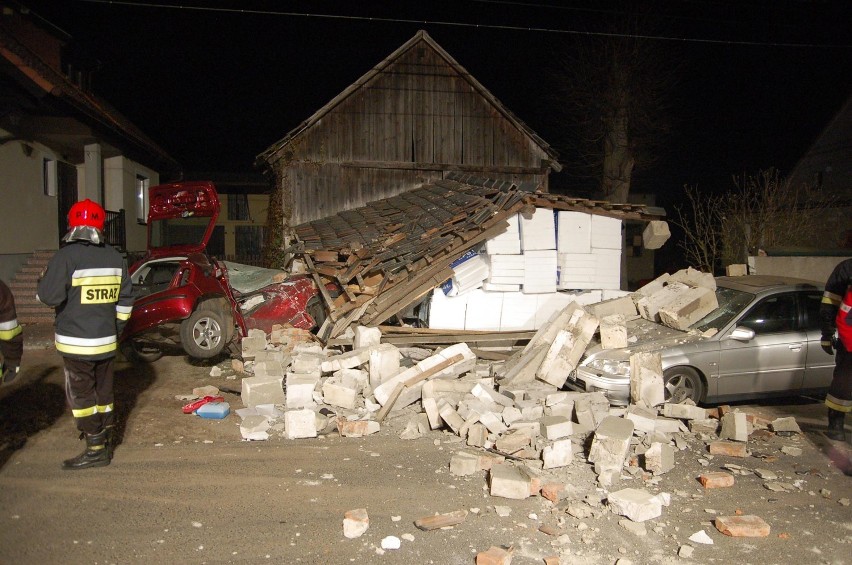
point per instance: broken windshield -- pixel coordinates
(731, 303)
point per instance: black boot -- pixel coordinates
(836, 419)
(96, 453)
(110, 440)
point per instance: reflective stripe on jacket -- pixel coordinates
(90, 289)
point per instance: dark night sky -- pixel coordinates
(215, 88)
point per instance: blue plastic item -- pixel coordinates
(214, 410)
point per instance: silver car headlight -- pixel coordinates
(610, 366)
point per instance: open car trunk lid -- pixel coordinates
(181, 217)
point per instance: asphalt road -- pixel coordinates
(185, 489)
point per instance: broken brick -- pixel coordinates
(494, 556)
(551, 491)
(717, 479)
(742, 526)
(729, 448)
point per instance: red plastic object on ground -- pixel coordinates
(193, 406)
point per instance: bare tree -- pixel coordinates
(763, 210)
(701, 223)
(612, 92)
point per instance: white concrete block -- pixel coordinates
(508, 481)
(557, 454)
(555, 427)
(300, 424)
(734, 426)
(655, 234)
(646, 379)
(611, 443)
(262, 390)
(366, 337)
(484, 310)
(638, 505)
(688, 307)
(384, 363)
(538, 230)
(445, 312)
(613, 331)
(659, 458)
(300, 390)
(606, 233)
(574, 232)
(335, 393)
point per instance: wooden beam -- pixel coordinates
(409, 166)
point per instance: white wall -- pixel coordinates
(120, 189)
(29, 217)
(812, 268)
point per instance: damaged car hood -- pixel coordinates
(644, 336)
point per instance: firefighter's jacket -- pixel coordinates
(11, 338)
(90, 290)
(836, 308)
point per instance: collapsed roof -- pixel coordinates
(388, 255)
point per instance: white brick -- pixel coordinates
(300, 390)
(556, 427)
(655, 234)
(659, 458)
(300, 424)
(366, 337)
(613, 332)
(611, 443)
(638, 505)
(557, 454)
(384, 363)
(684, 411)
(338, 394)
(507, 481)
(262, 390)
(643, 419)
(688, 307)
(734, 426)
(646, 379)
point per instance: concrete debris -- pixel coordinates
(355, 523)
(701, 537)
(441, 520)
(637, 505)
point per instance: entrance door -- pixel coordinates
(66, 191)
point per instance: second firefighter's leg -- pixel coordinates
(106, 399)
(839, 397)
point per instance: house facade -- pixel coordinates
(410, 120)
(59, 143)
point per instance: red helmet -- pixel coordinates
(86, 213)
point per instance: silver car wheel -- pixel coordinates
(207, 333)
(682, 383)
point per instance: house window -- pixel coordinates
(49, 177)
(248, 240)
(238, 208)
(142, 185)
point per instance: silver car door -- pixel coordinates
(774, 359)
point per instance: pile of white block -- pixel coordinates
(541, 263)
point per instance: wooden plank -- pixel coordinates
(440, 166)
(395, 393)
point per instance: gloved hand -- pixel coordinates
(826, 342)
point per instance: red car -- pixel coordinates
(185, 298)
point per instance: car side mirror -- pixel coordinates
(742, 333)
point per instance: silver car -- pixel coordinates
(767, 343)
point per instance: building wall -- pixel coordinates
(411, 122)
(811, 268)
(120, 188)
(29, 217)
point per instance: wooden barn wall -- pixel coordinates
(419, 110)
(324, 190)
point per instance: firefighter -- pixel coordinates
(11, 337)
(836, 314)
(86, 282)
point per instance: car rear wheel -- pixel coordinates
(134, 350)
(681, 383)
(203, 334)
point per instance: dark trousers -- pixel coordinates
(840, 392)
(88, 387)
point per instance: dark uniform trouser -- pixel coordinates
(88, 386)
(840, 392)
